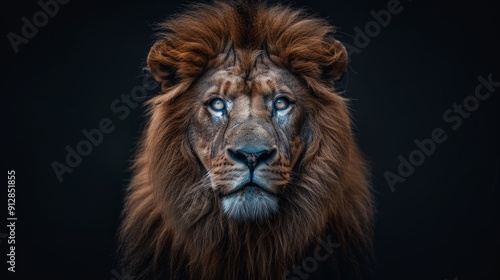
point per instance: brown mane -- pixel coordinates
(172, 226)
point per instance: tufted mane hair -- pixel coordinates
(189, 43)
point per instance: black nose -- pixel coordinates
(252, 156)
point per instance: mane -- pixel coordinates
(172, 226)
(189, 42)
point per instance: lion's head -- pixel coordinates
(248, 159)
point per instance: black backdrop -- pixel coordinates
(442, 222)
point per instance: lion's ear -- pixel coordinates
(162, 63)
(336, 64)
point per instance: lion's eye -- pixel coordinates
(281, 103)
(217, 104)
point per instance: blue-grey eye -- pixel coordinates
(217, 104)
(281, 103)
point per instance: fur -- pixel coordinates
(173, 226)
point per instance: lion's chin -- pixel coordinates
(249, 204)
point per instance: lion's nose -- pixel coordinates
(252, 156)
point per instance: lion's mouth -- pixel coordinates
(247, 188)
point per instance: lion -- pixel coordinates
(248, 160)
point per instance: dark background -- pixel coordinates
(443, 222)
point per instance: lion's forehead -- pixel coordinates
(232, 83)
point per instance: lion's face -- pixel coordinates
(248, 133)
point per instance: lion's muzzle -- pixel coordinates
(250, 178)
